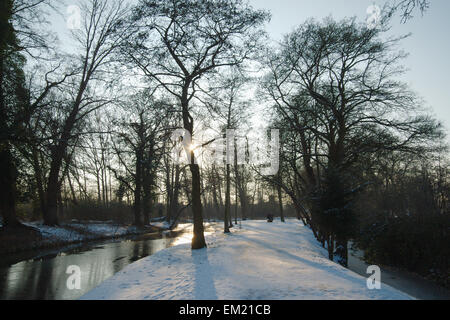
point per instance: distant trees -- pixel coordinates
(139, 144)
(230, 111)
(172, 175)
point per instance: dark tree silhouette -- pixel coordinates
(178, 43)
(335, 84)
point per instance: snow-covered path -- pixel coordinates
(261, 261)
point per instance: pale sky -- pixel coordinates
(429, 45)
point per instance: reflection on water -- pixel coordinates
(45, 277)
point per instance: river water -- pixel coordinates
(42, 275)
(410, 283)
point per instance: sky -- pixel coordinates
(428, 46)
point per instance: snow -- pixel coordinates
(54, 234)
(161, 224)
(77, 232)
(105, 230)
(261, 261)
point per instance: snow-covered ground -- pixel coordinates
(258, 262)
(77, 232)
(161, 224)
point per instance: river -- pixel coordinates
(42, 275)
(410, 283)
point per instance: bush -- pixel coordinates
(416, 243)
(92, 210)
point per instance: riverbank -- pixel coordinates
(42, 274)
(261, 261)
(408, 282)
(37, 236)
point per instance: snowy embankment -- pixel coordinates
(261, 261)
(75, 232)
(66, 234)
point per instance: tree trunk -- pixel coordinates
(169, 188)
(198, 240)
(240, 188)
(341, 251)
(236, 203)
(330, 247)
(214, 191)
(72, 190)
(8, 176)
(51, 210)
(280, 198)
(60, 204)
(147, 188)
(226, 220)
(39, 180)
(57, 154)
(204, 200)
(175, 192)
(99, 192)
(147, 207)
(8, 187)
(219, 188)
(138, 188)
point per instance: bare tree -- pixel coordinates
(227, 106)
(100, 37)
(20, 39)
(407, 8)
(335, 82)
(179, 43)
